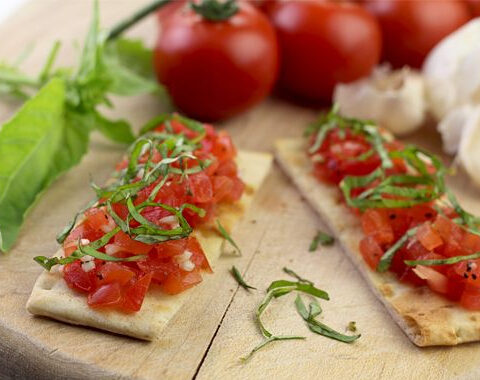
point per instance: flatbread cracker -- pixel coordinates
(51, 297)
(427, 318)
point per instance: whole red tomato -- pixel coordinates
(412, 28)
(474, 6)
(216, 69)
(323, 43)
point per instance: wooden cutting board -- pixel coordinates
(216, 327)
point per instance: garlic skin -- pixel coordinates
(451, 71)
(452, 126)
(393, 99)
(468, 150)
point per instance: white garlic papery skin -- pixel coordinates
(469, 148)
(452, 71)
(393, 99)
(452, 126)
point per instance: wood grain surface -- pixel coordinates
(216, 327)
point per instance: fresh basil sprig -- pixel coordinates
(63, 106)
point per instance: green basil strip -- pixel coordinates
(319, 327)
(227, 236)
(69, 227)
(285, 285)
(273, 338)
(448, 261)
(293, 274)
(321, 238)
(154, 123)
(89, 251)
(387, 257)
(238, 277)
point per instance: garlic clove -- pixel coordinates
(393, 99)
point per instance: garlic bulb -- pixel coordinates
(452, 126)
(451, 71)
(393, 99)
(469, 147)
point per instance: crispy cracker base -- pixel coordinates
(51, 297)
(427, 318)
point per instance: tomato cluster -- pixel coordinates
(174, 265)
(437, 235)
(217, 66)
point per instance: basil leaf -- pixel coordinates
(283, 285)
(118, 131)
(227, 237)
(448, 261)
(28, 145)
(321, 238)
(238, 276)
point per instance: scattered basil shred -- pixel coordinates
(238, 276)
(321, 238)
(227, 236)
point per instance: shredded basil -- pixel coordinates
(227, 236)
(238, 276)
(321, 238)
(319, 327)
(448, 261)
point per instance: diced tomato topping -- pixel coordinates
(344, 152)
(77, 278)
(174, 265)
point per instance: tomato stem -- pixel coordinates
(123, 25)
(215, 10)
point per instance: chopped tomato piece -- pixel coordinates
(429, 238)
(135, 293)
(435, 280)
(179, 281)
(124, 241)
(77, 279)
(375, 223)
(114, 272)
(371, 251)
(470, 300)
(109, 295)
